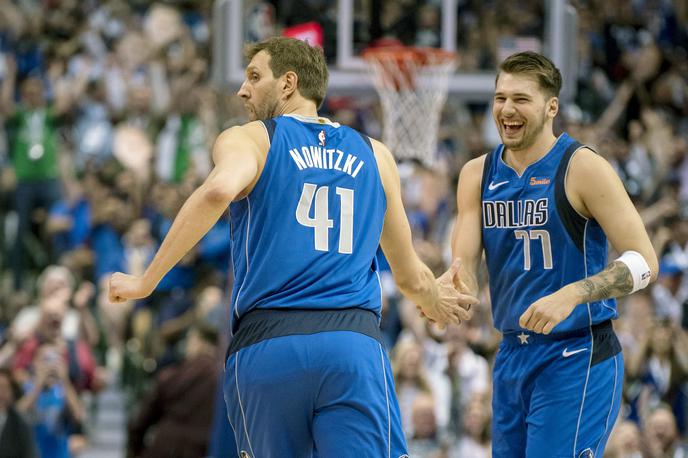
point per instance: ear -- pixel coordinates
(289, 83)
(553, 106)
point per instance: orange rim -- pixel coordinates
(420, 56)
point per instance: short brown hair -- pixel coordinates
(536, 65)
(290, 54)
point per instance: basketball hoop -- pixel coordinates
(412, 85)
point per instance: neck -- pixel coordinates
(299, 106)
(522, 158)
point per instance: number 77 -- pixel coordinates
(527, 236)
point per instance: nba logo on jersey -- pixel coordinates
(587, 453)
(321, 138)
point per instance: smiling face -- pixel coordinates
(522, 111)
(260, 91)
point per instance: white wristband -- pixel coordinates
(640, 271)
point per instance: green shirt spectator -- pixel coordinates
(33, 140)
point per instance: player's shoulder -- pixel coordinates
(586, 153)
(589, 164)
(475, 165)
(382, 154)
(250, 129)
(471, 174)
(589, 176)
(377, 144)
(252, 132)
(238, 141)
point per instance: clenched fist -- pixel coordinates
(123, 287)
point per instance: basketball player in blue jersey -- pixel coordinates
(311, 200)
(543, 207)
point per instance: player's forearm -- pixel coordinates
(467, 246)
(468, 278)
(468, 273)
(197, 216)
(419, 288)
(614, 281)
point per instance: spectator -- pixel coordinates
(475, 442)
(51, 402)
(425, 440)
(16, 436)
(77, 353)
(93, 130)
(409, 378)
(661, 436)
(182, 146)
(670, 292)
(624, 441)
(56, 283)
(428, 33)
(69, 220)
(661, 365)
(467, 372)
(180, 404)
(34, 153)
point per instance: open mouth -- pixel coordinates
(512, 127)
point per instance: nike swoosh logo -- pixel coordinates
(566, 353)
(492, 186)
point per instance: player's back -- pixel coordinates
(307, 234)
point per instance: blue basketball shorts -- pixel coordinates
(328, 394)
(556, 396)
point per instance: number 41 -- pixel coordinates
(321, 222)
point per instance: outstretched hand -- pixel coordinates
(452, 306)
(123, 287)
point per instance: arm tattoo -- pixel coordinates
(614, 281)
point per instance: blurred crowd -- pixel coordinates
(107, 118)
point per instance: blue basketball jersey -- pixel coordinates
(307, 234)
(535, 241)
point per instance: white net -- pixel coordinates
(412, 85)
